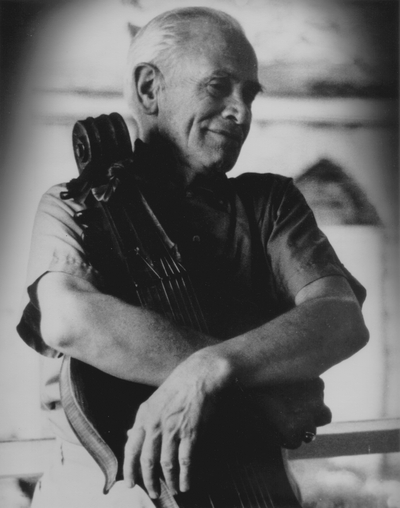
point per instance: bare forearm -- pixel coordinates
(123, 340)
(301, 344)
(138, 345)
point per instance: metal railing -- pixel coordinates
(28, 458)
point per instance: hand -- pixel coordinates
(294, 410)
(168, 423)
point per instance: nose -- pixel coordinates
(237, 110)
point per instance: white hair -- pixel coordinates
(165, 35)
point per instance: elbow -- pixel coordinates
(357, 333)
(362, 336)
(56, 307)
(53, 332)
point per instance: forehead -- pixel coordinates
(212, 50)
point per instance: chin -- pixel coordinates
(226, 165)
(213, 164)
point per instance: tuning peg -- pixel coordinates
(65, 195)
(88, 217)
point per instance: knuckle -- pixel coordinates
(171, 427)
(153, 427)
(184, 461)
(134, 439)
(140, 412)
(167, 465)
(132, 432)
(169, 424)
(189, 434)
(147, 462)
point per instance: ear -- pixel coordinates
(147, 83)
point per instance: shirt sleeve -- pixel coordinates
(56, 247)
(298, 251)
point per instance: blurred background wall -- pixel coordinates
(328, 118)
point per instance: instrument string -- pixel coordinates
(154, 300)
(211, 502)
(195, 319)
(173, 294)
(191, 320)
(168, 284)
(179, 288)
(161, 298)
(186, 288)
(171, 278)
(239, 491)
(263, 488)
(178, 275)
(255, 493)
(183, 296)
(177, 318)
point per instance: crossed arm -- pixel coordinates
(190, 368)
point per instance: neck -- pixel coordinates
(171, 168)
(178, 173)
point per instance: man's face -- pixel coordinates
(205, 105)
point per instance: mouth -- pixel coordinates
(233, 135)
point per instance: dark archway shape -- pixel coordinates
(335, 197)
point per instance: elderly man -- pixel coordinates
(280, 307)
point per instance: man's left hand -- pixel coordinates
(294, 410)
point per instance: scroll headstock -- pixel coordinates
(98, 143)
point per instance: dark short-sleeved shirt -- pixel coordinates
(249, 244)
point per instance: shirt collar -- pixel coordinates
(213, 188)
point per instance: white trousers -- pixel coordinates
(74, 480)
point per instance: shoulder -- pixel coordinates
(267, 193)
(52, 208)
(55, 225)
(52, 198)
(260, 182)
(262, 187)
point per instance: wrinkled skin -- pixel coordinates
(204, 114)
(167, 426)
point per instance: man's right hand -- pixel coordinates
(168, 423)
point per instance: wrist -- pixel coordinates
(217, 368)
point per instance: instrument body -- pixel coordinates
(239, 461)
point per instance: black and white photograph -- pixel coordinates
(199, 271)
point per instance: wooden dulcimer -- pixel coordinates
(239, 460)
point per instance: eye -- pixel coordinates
(250, 93)
(219, 87)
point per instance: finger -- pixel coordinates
(296, 432)
(149, 462)
(169, 463)
(133, 447)
(323, 417)
(185, 458)
(291, 439)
